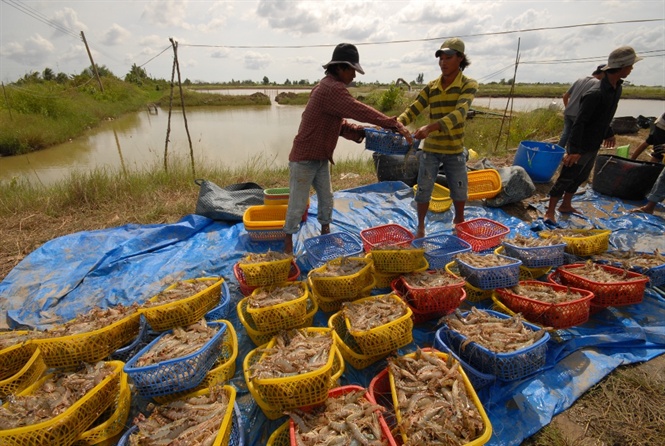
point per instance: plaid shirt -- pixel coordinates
(447, 107)
(323, 121)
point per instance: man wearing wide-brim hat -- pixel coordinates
(323, 122)
(590, 129)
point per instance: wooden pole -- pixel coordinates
(94, 67)
(11, 118)
(510, 101)
(182, 104)
(168, 125)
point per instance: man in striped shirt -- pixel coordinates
(449, 98)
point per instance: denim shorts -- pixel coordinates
(302, 176)
(454, 167)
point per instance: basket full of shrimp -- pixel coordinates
(294, 369)
(611, 286)
(278, 307)
(548, 304)
(581, 242)
(536, 252)
(488, 271)
(495, 343)
(391, 248)
(434, 291)
(651, 265)
(449, 391)
(349, 414)
(262, 269)
(379, 324)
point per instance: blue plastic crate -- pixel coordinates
(536, 256)
(505, 366)
(440, 249)
(326, 247)
(478, 379)
(221, 311)
(175, 375)
(237, 437)
(502, 276)
(388, 143)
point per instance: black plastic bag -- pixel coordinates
(228, 203)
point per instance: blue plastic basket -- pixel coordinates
(326, 247)
(237, 437)
(536, 256)
(221, 311)
(142, 339)
(387, 143)
(505, 366)
(478, 379)
(502, 276)
(175, 375)
(440, 249)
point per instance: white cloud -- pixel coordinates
(167, 13)
(115, 35)
(256, 61)
(68, 19)
(33, 52)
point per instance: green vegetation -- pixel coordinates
(557, 90)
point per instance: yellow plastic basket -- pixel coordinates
(485, 183)
(113, 420)
(341, 287)
(13, 358)
(223, 369)
(281, 436)
(440, 201)
(487, 433)
(397, 260)
(348, 346)
(293, 391)
(385, 338)
(184, 312)
(259, 337)
(383, 279)
(90, 347)
(25, 377)
(266, 273)
(597, 242)
(473, 294)
(281, 316)
(265, 217)
(66, 427)
(333, 304)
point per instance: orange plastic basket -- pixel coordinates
(265, 217)
(281, 316)
(390, 234)
(481, 233)
(485, 183)
(66, 427)
(25, 377)
(90, 347)
(184, 312)
(385, 338)
(431, 298)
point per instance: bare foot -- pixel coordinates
(455, 222)
(288, 244)
(420, 233)
(325, 229)
(550, 218)
(641, 210)
(568, 210)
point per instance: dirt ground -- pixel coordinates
(618, 408)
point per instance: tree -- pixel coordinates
(136, 75)
(287, 82)
(62, 78)
(420, 78)
(48, 74)
(266, 81)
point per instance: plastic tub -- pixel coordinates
(539, 159)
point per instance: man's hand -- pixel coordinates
(571, 159)
(405, 133)
(609, 142)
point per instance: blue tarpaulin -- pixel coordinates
(71, 274)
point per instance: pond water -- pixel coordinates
(235, 136)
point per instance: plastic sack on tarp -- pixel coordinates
(516, 185)
(227, 203)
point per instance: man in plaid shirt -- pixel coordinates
(323, 122)
(449, 99)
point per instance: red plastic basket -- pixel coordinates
(431, 299)
(246, 290)
(390, 234)
(482, 233)
(420, 316)
(561, 315)
(341, 391)
(608, 294)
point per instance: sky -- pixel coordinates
(221, 41)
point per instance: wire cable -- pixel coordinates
(25, 9)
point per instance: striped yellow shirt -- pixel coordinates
(447, 107)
